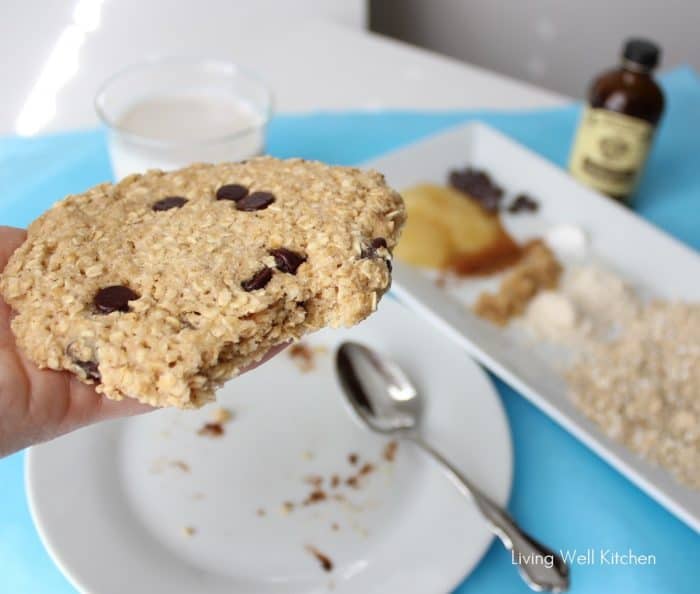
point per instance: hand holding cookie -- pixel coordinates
(155, 291)
(39, 404)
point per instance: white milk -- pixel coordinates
(174, 131)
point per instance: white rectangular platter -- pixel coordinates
(645, 256)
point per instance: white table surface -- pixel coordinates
(310, 64)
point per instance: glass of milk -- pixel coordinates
(170, 112)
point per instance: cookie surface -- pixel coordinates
(165, 285)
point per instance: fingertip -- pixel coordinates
(103, 408)
(10, 239)
(127, 407)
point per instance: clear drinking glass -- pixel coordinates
(170, 112)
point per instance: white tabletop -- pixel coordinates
(309, 64)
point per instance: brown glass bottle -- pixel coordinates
(616, 130)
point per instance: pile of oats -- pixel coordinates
(538, 269)
(643, 386)
(632, 367)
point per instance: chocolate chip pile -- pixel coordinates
(523, 203)
(165, 285)
(481, 187)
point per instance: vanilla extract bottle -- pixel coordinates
(617, 127)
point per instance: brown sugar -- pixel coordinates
(538, 269)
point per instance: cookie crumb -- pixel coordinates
(354, 480)
(315, 496)
(286, 508)
(366, 469)
(261, 512)
(211, 430)
(179, 464)
(324, 560)
(302, 356)
(307, 455)
(353, 458)
(335, 481)
(222, 415)
(189, 531)
(389, 453)
(160, 464)
(314, 479)
(335, 527)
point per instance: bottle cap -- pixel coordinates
(642, 52)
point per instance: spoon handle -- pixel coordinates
(540, 567)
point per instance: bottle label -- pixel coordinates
(610, 150)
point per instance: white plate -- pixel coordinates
(648, 258)
(114, 526)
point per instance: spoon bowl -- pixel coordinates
(377, 390)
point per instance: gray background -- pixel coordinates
(558, 44)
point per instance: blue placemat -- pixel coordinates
(562, 492)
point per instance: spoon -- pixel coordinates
(384, 399)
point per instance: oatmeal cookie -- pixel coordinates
(165, 285)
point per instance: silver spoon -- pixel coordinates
(385, 400)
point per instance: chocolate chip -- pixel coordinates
(479, 186)
(287, 260)
(258, 280)
(523, 202)
(378, 242)
(169, 202)
(371, 250)
(231, 192)
(255, 201)
(114, 298)
(91, 370)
